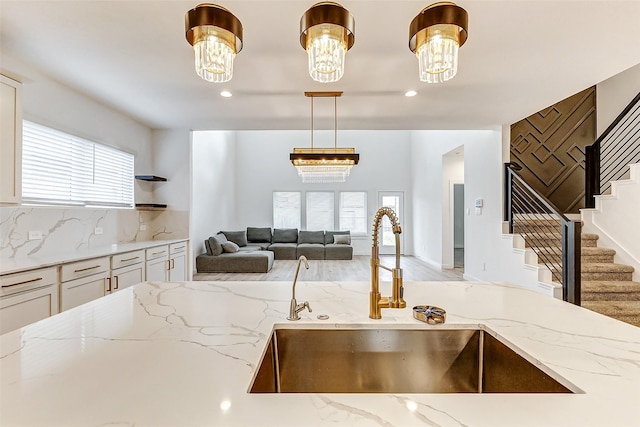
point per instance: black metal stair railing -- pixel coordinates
(608, 158)
(550, 234)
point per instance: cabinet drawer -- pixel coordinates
(76, 270)
(176, 248)
(157, 252)
(26, 280)
(128, 258)
(27, 307)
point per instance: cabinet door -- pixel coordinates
(157, 270)
(178, 267)
(80, 291)
(125, 277)
(10, 140)
(21, 309)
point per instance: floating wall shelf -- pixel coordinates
(150, 178)
(150, 206)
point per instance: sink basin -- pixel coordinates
(397, 361)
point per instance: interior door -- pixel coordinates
(395, 201)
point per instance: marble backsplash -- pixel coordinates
(72, 230)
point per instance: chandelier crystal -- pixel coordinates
(326, 33)
(216, 36)
(436, 34)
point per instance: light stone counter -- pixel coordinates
(14, 265)
(183, 354)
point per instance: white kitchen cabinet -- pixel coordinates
(178, 262)
(167, 263)
(127, 269)
(83, 281)
(10, 141)
(27, 297)
(157, 263)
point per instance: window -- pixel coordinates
(320, 211)
(61, 169)
(286, 209)
(353, 212)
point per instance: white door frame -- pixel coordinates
(387, 249)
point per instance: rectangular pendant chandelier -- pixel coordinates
(324, 165)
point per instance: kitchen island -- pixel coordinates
(184, 354)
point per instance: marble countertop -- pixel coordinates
(184, 354)
(14, 265)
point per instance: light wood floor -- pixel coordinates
(357, 269)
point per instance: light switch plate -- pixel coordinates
(98, 231)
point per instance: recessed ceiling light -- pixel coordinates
(226, 94)
(410, 93)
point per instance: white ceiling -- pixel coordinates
(521, 56)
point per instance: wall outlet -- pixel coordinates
(98, 231)
(143, 227)
(35, 235)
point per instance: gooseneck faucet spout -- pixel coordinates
(294, 307)
(377, 302)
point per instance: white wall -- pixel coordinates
(613, 94)
(483, 179)
(263, 166)
(213, 185)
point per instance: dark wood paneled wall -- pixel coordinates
(549, 145)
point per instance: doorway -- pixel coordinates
(395, 201)
(458, 225)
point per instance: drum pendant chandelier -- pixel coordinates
(327, 33)
(435, 36)
(324, 165)
(216, 37)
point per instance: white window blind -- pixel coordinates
(286, 209)
(62, 169)
(353, 211)
(320, 211)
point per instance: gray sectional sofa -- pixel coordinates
(253, 250)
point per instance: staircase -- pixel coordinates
(607, 287)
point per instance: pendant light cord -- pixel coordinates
(335, 122)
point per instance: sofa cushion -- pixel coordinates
(207, 247)
(262, 246)
(341, 239)
(215, 245)
(283, 250)
(259, 235)
(285, 235)
(310, 250)
(237, 237)
(338, 252)
(240, 262)
(230, 247)
(328, 236)
(311, 237)
(251, 247)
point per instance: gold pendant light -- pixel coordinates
(216, 37)
(327, 33)
(435, 36)
(324, 165)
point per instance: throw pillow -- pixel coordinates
(230, 247)
(341, 239)
(215, 245)
(237, 237)
(259, 235)
(207, 247)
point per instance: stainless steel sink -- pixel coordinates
(397, 361)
